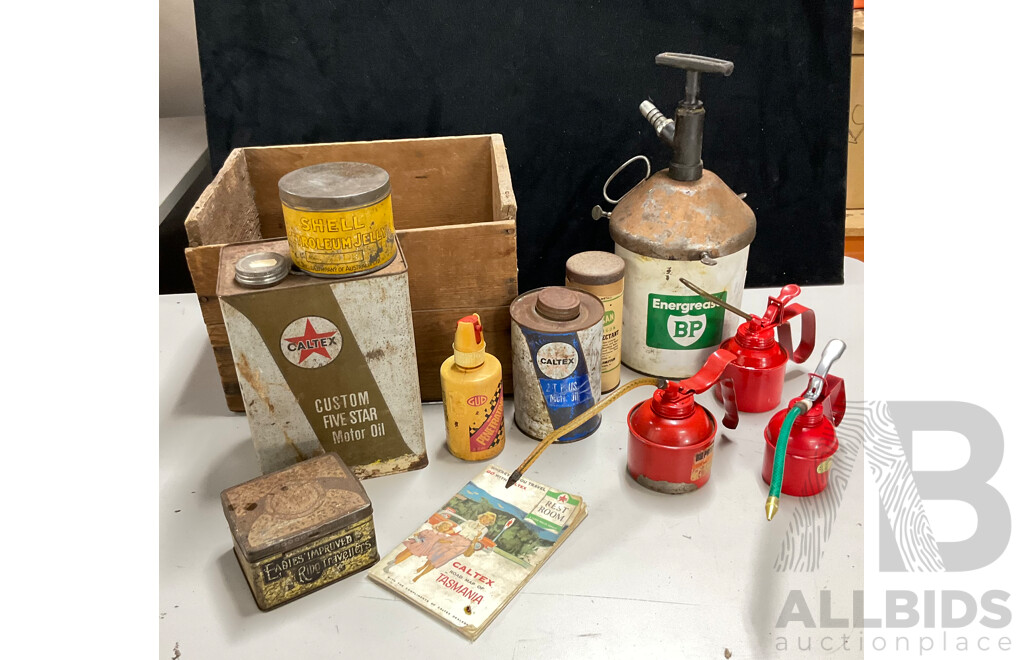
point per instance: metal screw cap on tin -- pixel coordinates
(262, 269)
(334, 186)
(558, 304)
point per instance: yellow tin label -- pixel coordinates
(286, 576)
(825, 465)
(340, 243)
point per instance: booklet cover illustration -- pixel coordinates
(468, 560)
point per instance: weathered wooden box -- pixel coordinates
(454, 211)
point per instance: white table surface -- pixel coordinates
(646, 574)
(183, 155)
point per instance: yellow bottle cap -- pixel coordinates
(469, 342)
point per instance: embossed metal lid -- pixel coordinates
(289, 508)
(334, 186)
(262, 269)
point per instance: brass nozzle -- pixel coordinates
(771, 507)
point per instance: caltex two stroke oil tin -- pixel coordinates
(323, 365)
(556, 360)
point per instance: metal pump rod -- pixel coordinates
(686, 132)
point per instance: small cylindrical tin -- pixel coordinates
(300, 529)
(338, 218)
(601, 273)
(556, 360)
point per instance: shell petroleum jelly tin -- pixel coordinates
(556, 360)
(338, 218)
(324, 365)
(300, 529)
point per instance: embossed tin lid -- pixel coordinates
(290, 508)
(334, 186)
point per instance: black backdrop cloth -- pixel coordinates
(561, 81)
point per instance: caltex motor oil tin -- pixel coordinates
(300, 529)
(324, 365)
(338, 218)
(556, 360)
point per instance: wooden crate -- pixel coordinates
(855, 155)
(455, 213)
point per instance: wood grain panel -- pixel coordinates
(435, 331)
(434, 181)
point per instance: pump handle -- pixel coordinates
(833, 351)
(787, 294)
(807, 332)
(697, 63)
(834, 405)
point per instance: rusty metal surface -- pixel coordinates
(375, 385)
(665, 486)
(524, 312)
(293, 507)
(680, 220)
(532, 415)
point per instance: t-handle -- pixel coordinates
(694, 65)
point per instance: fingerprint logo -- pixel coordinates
(901, 502)
(884, 430)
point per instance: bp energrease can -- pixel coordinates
(556, 360)
(338, 218)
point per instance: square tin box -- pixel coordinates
(300, 529)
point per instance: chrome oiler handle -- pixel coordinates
(833, 351)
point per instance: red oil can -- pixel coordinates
(812, 441)
(672, 437)
(759, 371)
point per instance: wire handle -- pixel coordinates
(604, 190)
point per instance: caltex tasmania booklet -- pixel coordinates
(467, 561)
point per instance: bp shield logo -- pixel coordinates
(679, 323)
(687, 330)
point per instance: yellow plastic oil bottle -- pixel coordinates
(474, 408)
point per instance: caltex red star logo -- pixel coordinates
(563, 498)
(311, 342)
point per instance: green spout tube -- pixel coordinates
(771, 506)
